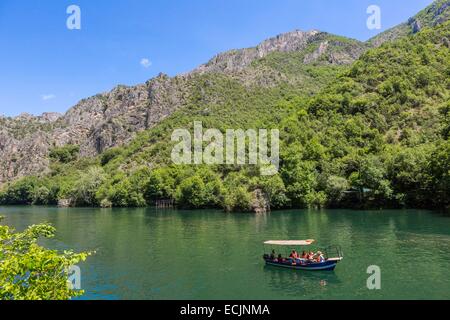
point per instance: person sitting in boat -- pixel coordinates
(292, 255)
(320, 258)
(272, 255)
(280, 258)
(302, 258)
(310, 255)
(304, 255)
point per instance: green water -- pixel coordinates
(148, 254)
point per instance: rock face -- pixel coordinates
(296, 41)
(95, 124)
(260, 202)
(323, 47)
(416, 25)
(237, 60)
(24, 145)
(65, 203)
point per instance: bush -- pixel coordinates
(238, 199)
(85, 190)
(105, 203)
(336, 188)
(192, 193)
(31, 272)
(125, 194)
(110, 155)
(41, 196)
(65, 154)
(275, 189)
(20, 192)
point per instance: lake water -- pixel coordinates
(150, 254)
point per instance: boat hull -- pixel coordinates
(323, 266)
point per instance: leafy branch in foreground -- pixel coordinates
(31, 272)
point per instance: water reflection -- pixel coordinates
(297, 283)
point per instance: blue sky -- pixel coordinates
(46, 67)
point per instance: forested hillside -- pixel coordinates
(372, 134)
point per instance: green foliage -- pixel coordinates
(31, 272)
(86, 187)
(300, 177)
(124, 194)
(439, 171)
(335, 189)
(20, 193)
(161, 185)
(373, 134)
(276, 191)
(41, 196)
(445, 114)
(65, 154)
(110, 155)
(202, 190)
(238, 199)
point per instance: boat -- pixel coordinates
(328, 258)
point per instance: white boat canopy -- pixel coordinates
(290, 242)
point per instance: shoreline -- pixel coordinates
(445, 211)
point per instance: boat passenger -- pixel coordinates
(272, 255)
(320, 257)
(304, 255)
(294, 256)
(280, 258)
(291, 256)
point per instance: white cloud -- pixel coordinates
(146, 63)
(47, 97)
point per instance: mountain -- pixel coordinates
(296, 41)
(374, 136)
(362, 125)
(112, 119)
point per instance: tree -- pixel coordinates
(84, 192)
(192, 193)
(371, 178)
(65, 154)
(238, 199)
(160, 185)
(407, 171)
(335, 189)
(445, 113)
(110, 155)
(126, 194)
(439, 169)
(31, 272)
(41, 196)
(300, 177)
(20, 192)
(276, 191)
